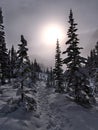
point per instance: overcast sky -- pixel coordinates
(28, 17)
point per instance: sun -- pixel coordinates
(51, 32)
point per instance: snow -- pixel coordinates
(54, 112)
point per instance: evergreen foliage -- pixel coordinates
(13, 58)
(33, 73)
(50, 78)
(78, 84)
(9, 67)
(37, 67)
(92, 67)
(58, 71)
(92, 61)
(3, 52)
(17, 65)
(23, 63)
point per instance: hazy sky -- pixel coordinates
(33, 18)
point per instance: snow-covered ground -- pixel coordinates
(54, 112)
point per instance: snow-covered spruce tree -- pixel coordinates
(58, 71)
(23, 75)
(22, 64)
(3, 51)
(77, 81)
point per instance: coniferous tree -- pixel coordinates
(77, 81)
(37, 67)
(91, 63)
(58, 71)
(9, 67)
(22, 65)
(92, 66)
(24, 76)
(13, 58)
(50, 77)
(33, 73)
(47, 71)
(3, 51)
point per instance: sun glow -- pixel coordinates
(51, 33)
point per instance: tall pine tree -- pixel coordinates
(58, 71)
(91, 63)
(78, 85)
(22, 65)
(24, 82)
(13, 58)
(3, 51)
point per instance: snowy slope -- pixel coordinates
(70, 116)
(54, 112)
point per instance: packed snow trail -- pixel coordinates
(43, 104)
(47, 115)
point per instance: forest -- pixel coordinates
(24, 84)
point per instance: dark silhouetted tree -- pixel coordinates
(13, 58)
(78, 85)
(91, 63)
(9, 67)
(37, 67)
(3, 51)
(50, 78)
(33, 73)
(58, 71)
(24, 75)
(23, 64)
